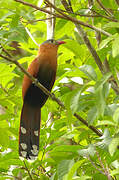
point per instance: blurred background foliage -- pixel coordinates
(69, 150)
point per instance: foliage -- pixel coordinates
(69, 150)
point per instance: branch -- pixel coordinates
(99, 133)
(74, 20)
(97, 15)
(5, 51)
(3, 89)
(94, 53)
(64, 16)
(28, 171)
(34, 80)
(106, 17)
(53, 97)
(88, 44)
(94, 165)
(117, 1)
(104, 8)
(104, 169)
(50, 22)
(11, 176)
(37, 20)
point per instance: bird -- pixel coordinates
(43, 68)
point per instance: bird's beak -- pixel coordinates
(61, 42)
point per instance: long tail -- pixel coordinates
(29, 131)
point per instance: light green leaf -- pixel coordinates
(116, 116)
(100, 101)
(105, 42)
(106, 139)
(85, 177)
(90, 151)
(4, 140)
(112, 25)
(75, 47)
(74, 168)
(115, 47)
(103, 80)
(75, 102)
(92, 115)
(106, 122)
(66, 148)
(113, 145)
(60, 24)
(63, 168)
(89, 71)
(114, 172)
(15, 20)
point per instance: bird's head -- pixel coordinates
(53, 42)
(50, 47)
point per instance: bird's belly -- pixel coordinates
(34, 95)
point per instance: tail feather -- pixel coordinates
(29, 131)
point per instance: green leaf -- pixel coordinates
(75, 102)
(113, 145)
(63, 168)
(74, 168)
(115, 47)
(15, 20)
(112, 25)
(89, 71)
(90, 151)
(103, 80)
(106, 88)
(60, 24)
(105, 123)
(4, 140)
(66, 148)
(116, 116)
(85, 178)
(76, 48)
(114, 172)
(92, 115)
(106, 139)
(100, 101)
(106, 41)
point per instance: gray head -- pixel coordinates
(52, 41)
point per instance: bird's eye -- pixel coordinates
(52, 41)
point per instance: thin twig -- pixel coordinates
(106, 17)
(3, 89)
(5, 51)
(45, 171)
(75, 20)
(35, 81)
(64, 16)
(117, 1)
(94, 165)
(37, 20)
(89, 46)
(91, 127)
(15, 177)
(28, 170)
(103, 7)
(97, 15)
(94, 54)
(102, 165)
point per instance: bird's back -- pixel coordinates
(34, 95)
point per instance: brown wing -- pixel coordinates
(33, 70)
